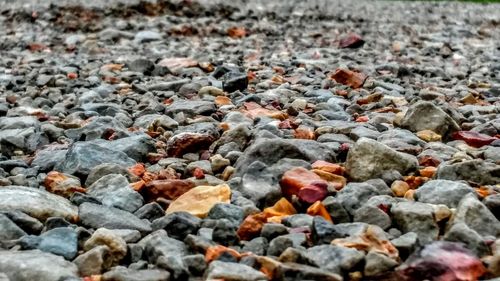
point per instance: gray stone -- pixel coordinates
(113, 190)
(159, 244)
(147, 36)
(416, 217)
(175, 265)
(370, 159)
(94, 261)
(257, 246)
(155, 121)
(82, 157)
(47, 159)
(191, 107)
(61, 241)
(406, 244)
(476, 216)
(334, 259)
(196, 264)
(8, 229)
(460, 232)
(226, 211)
(123, 274)
(37, 203)
(104, 169)
(136, 147)
(270, 151)
(444, 192)
(25, 222)
(476, 171)
(427, 116)
(97, 129)
(36, 265)
(96, 216)
(233, 272)
(377, 264)
(493, 203)
(260, 185)
(354, 195)
(178, 224)
(373, 215)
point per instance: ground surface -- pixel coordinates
(249, 140)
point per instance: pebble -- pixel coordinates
(141, 144)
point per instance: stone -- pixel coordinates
(61, 241)
(178, 224)
(199, 200)
(62, 184)
(296, 179)
(406, 244)
(350, 78)
(93, 261)
(147, 36)
(270, 151)
(113, 190)
(96, 216)
(24, 221)
(416, 217)
(257, 246)
(334, 259)
(370, 159)
(351, 41)
(183, 143)
(9, 230)
(150, 211)
(123, 274)
(425, 115)
(82, 157)
(428, 135)
(175, 265)
(196, 264)
(354, 195)
(475, 171)
(399, 188)
(373, 215)
(440, 259)
(104, 169)
(460, 232)
(36, 265)
(117, 247)
(444, 192)
(233, 271)
(259, 184)
(227, 211)
(473, 138)
(493, 203)
(159, 244)
(37, 203)
(476, 216)
(169, 189)
(377, 264)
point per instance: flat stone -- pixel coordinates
(96, 216)
(444, 192)
(370, 159)
(35, 202)
(233, 271)
(36, 265)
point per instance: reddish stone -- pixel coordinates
(168, 189)
(362, 119)
(62, 184)
(473, 139)
(318, 209)
(183, 143)
(251, 226)
(297, 178)
(304, 133)
(137, 170)
(350, 78)
(351, 41)
(428, 160)
(214, 252)
(281, 208)
(236, 32)
(72, 75)
(198, 173)
(328, 167)
(313, 192)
